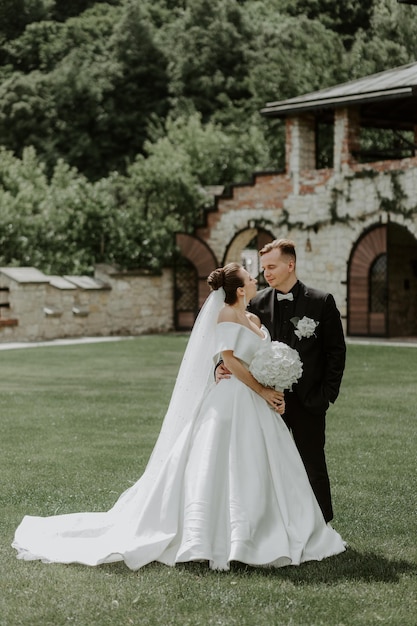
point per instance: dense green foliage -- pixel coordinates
(78, 425)
(114, 115)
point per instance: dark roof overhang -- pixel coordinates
(286, 107)
(386, 100)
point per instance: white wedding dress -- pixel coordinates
(232, 488)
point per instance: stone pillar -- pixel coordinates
(346, 137)
(300, 150)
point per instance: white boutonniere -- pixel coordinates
(304, 327)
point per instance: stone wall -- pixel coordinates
(325, 221)
(40, 307)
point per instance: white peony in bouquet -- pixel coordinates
(276, 365)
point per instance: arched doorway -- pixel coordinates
(244, 248)
(191, 270)
(382, 283)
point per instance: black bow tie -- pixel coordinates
(285, 296)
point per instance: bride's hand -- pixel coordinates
(275, 399)
(222, 372)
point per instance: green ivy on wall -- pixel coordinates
(395, 204)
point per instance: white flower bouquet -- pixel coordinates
(276, 365)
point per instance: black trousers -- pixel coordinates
(308, 431)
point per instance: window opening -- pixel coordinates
(378, 290)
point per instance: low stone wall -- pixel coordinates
(37, 307)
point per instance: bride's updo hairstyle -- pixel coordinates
(229, 278)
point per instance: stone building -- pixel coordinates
(350, 208)
(353, 219)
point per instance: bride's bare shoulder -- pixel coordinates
(254, 319)
(227, 314)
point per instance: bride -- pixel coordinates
(224, 482)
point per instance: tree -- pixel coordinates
(289, 57)
(45, 44)
(27, 114)
(389, 42)
(139, 88)
(98, 78)
(208, 65)
(345, 18)
(216, 156)
(15, 15)
(63, 9)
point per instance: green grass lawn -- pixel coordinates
(77, 426)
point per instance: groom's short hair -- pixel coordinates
(286, 246)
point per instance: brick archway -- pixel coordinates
(382, 283)
(254, 237)
(361, 321)
(191, 271)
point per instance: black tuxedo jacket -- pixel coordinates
(323, 355)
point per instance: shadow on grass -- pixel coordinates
(349, 566)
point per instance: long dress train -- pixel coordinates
(232, 488)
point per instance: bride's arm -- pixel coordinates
(227, 315)
(274, 398)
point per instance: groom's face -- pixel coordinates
(279, 270)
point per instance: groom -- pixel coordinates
(306, 319)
